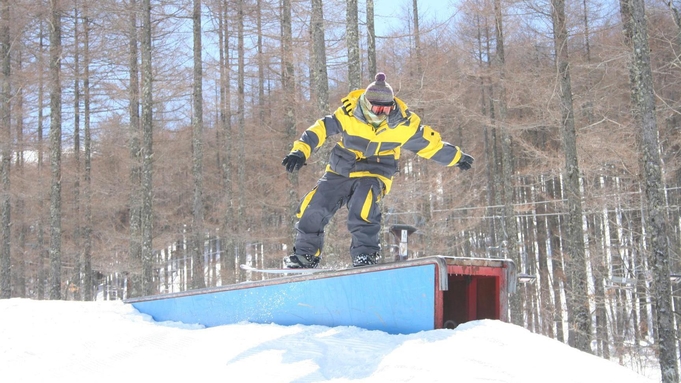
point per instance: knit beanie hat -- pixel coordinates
(380, 92)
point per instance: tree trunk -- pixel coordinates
(77, 256)
(417, 39)
(579, 315)
(147, 152)
(546, 308)
(599, 275)
(483, 47)
(510, 233)
(320, 76)
(676, 15)
(352, 40)
(553, 229)
(371, 38)
(587, 34)
(261, 62)
(643, 99)
(134, 143)
(5, 153)
(55, 150)
(288, 87)
(86, 262)
(225, 112)
(241, 139)
(198, 274)
(40, 223)
(20, 215)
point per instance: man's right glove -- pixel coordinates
(465, 162)
(294, 161)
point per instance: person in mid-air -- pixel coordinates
(374, 127)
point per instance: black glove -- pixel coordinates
(465, 162)
(294, 161)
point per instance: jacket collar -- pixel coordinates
(352, 108)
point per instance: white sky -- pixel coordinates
(73, 342)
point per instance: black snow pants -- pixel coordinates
(361, 195)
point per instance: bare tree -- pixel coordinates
(86, 262)
(577, 291)
(510, 228)
(42, 249)
(417, 38)
(225, 146)
(319, 73)
(676, 15)
(134, 144)
(600, 317)
(241, 123)
(20, 211)
(261, 60)
(147, 151)
(371, 38)
(5, 152)
(643, 99)
(289, 89)
(77, 273)
(199, 280)
(352, 40)
(55, 150)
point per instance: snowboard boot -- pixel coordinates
(297, 261)
(365, 259)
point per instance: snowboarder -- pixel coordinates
(374, 127)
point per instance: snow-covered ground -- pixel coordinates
(57, 341)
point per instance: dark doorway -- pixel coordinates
(471, 297)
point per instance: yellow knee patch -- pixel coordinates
(306, 201)
(366, 208)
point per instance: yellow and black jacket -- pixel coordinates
(368, 151)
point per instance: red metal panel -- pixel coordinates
(472, 298)
(499, 301)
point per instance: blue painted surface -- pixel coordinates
(396, 301)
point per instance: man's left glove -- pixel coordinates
(465, 162)
(294, 161)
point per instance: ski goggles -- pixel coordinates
(380, 108)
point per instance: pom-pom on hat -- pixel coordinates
(380, 92)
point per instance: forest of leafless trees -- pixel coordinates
(141, 143)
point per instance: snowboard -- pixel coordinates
(283, 270)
